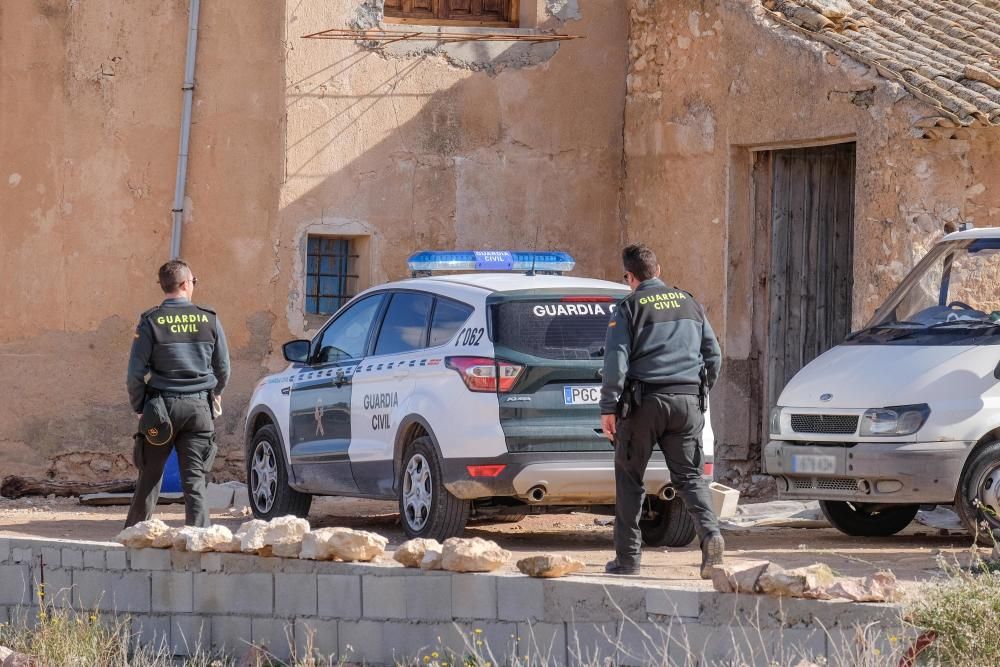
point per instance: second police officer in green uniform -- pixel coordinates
(182, 349)
(661, 358)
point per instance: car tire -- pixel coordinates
(507, 517)
(267, 479)
(426, 508)
(856, 520)
(670, 526)
(977, 500)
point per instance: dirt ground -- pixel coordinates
(912, 555)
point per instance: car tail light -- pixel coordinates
(485, 471)
(484, 374)
(709, 469)
(587, 299)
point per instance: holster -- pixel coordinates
(703, 389)
(630, 399)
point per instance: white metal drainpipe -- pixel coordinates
(182, 156)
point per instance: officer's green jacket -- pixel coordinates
(182, 347)
(659, 335)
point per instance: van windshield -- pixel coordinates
(951, 294)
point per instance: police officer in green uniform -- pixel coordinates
(179, 355)
(661, 358)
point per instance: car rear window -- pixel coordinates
(553, 328)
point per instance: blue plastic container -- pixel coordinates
(171, 475)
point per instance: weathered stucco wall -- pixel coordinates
(708, 82)
(476, 145)
(89, 130)
(471, 146)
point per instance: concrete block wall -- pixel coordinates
(379, 613)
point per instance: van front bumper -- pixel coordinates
(883, 472)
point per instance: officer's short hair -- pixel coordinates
(640, 261)
(172, 274)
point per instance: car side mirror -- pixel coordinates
(296, 351)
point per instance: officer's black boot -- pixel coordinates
(617, 567)
(712, 550)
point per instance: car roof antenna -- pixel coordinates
(534, 251)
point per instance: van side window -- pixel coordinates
(347, 336)
(405, 325)
(449, 316)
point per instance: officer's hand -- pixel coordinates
(609, 424)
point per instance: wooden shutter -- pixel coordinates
(478, 10)
(419, 9)
(469, 12)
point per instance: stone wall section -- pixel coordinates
(380, 612)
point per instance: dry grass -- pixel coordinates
(962, 612)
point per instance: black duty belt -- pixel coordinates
(685, 388)
(174, 394)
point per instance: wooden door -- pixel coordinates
(811, 272)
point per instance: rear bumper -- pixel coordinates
(568, 478)
(910, 472)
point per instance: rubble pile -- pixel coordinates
(474, 554)
(550, 566)
(457, 554)
(285, 537)
(813, 582)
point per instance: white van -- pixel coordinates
(906, 411)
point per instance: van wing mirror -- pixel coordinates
(296, 351)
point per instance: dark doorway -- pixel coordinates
(804, 210)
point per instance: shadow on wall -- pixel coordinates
(518, 159)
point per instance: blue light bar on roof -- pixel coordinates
(426, 261)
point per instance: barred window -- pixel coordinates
(331, 274)
(501, 13)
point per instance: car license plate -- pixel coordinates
(581, 395)
(811, 464)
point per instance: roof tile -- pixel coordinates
(945, 52)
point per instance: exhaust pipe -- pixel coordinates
(667, 493)
(537, 494)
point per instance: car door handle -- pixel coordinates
(286, 391)
(401, 373)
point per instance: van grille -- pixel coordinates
(837, 484)
(827, 424)
(824, 483)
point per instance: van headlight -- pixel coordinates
(896, 420)
(775, 422)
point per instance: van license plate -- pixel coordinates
(581, 395)
(814, 465)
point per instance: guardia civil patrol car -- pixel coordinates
(470, 395)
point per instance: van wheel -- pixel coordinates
(426, 508)
(858, 520)
(978, 498)
(267, 479)
(670, 524)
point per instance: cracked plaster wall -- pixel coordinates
(707, 79)
(89, 130)
(289, 136)
(417, 150)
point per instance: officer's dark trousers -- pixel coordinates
(194, 438)
(674, 422)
